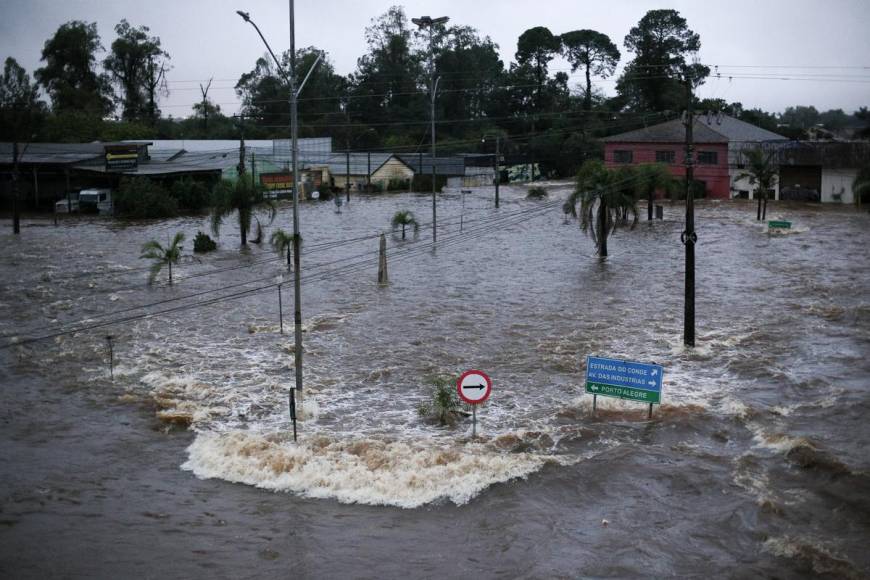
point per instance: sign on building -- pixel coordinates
(122, 157)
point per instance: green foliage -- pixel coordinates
(202, 243)
(444, 406)
(861, 185)
(537, 193)
(282, 243)
(404, 219)
(661, 41)
(240, 197)
(141, 198)
(167, 256)
(191, 195)
(70, 76)
(607, 201)
(398, 185)
(592, 51)
(21, 111)
(137, 64)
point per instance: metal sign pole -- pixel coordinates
(280, 309)
(474, 422)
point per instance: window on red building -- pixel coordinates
(622, 156)
(708, 158)
(665, 157)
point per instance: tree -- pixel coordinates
(243, 197)
(69, 75)
(606, 200)
(404, 219)
(21, 113)
(652, 177)
(138, 64)
(536, 47)
(661, 41)
(167, 256)
(282, 242)
(761, 170)
(863, 115)
(861, 185)
(593, 51)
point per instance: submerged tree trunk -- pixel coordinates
(170, 273)
(403, 231)
(758, 213)
(649, 206)
(602, 228)
(289, 259)
(764, 207)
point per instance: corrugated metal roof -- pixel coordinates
(54, 153)
(449, 166)
(706, 129)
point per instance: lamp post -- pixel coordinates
(497, 156)
(294, 132)
(429, 23)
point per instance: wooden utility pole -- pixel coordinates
(688, 236)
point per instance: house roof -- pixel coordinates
(55, 153)
(449, 166)
(706, 129)
(359, 162)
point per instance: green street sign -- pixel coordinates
(629, 393)
(779, 224)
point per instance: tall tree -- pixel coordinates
(661, 41)
(70, 76)
(20, 115)
(536, 47)
(138, 64)
(593, 51)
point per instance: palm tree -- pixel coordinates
(762, 173)
(282, 242)
(162, 256)
(606, 200)
(650, 178)
(243, 197)
(404, 219)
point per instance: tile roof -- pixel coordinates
(707, 129)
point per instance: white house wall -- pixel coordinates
(734, 170)
(838, 182)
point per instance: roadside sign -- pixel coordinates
(474, 387)
(779, 224)
(634, 381)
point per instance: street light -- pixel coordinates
(430, 23)
(290, 77)
(497, 156)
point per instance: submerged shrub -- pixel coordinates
(537, 192)
(445, 407)
(142, 198)
(202, 243)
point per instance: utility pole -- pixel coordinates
(297, 286)
(496, 165)
(688, 236)
(430, 23)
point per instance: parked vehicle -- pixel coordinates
(96, 200)
(66, 206)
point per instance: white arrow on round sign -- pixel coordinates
(474, 387)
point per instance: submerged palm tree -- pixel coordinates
(243, 197)
(606, 201)
(761, 172)
(405, 219)
(282, 242)
(652, 177)
(162, 256)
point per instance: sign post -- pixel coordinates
(474, 387)
(633, 381)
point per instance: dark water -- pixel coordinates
(756, 463)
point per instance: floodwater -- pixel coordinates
(756, 463)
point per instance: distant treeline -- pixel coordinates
(553, 117)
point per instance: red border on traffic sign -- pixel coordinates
(485, 395)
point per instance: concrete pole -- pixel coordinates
(383, 277)
(689, 235)
(432, 85)
(297, 286)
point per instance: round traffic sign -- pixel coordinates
(474, 387)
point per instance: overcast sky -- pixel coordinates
(783, 39)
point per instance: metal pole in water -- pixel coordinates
(109, 338)
(293, 410)
(473, 422)
(280, 309)
(649, 416)
(594, 402)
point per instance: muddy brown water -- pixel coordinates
(756, 463)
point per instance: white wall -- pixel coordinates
(838, 181)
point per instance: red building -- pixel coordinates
(717, 138)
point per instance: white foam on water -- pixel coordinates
(406, 474)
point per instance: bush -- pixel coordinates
(142, 198)
(191, 195)
(445, 407)
(399, 185)
(202, 243)
(537, 193)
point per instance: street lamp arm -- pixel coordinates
(311, 70)
(247, 18)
